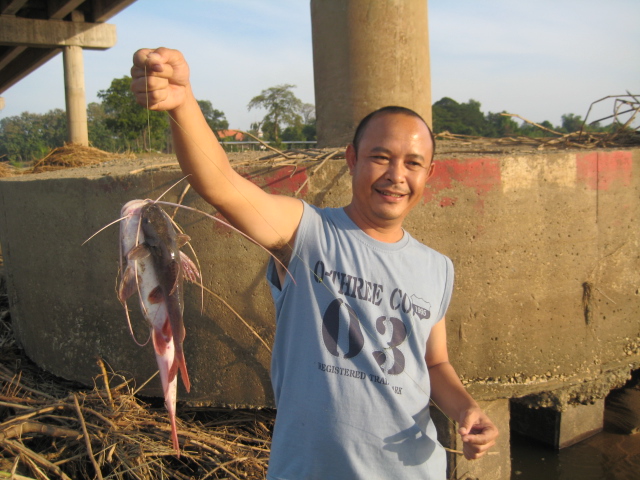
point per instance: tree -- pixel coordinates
(499, 125)
(308, 112)
(133, 125)
(99, 134)
(30, 136)
(282, 107)
(571, 122)
(215, 118)
(460, 118)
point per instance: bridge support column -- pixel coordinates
(367, 55)
(75, 97)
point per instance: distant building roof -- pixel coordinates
(237, 135)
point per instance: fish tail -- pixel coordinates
(179, 363)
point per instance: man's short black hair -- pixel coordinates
(391, 109)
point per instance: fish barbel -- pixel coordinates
(154, 267)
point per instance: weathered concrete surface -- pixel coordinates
(525, 232)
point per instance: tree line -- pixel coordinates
(467, 119)
(118, 124)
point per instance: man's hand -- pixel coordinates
(478, 433)
(159, 78)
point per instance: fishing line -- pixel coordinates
(146, 91)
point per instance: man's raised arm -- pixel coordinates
(160, 81)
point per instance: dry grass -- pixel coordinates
(73, 155)
(51, 429)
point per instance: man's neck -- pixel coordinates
(388, 232)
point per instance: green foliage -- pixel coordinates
(215, 118)
(571, 123)
(467, 119)
(29, 136)
(118, 123)
(461, 118)
(498, 125)
(132, 125)
(100, 135)
(282, 106)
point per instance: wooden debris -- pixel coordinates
(52, 429)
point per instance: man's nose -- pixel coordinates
(396, 172)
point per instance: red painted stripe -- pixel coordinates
(603, 170)
(283, 180)
(480, 174)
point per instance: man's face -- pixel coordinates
(390, 170)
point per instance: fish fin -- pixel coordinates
(189, 269)
(161, 338)
(180, 363)
(128, 285)
(155, 296)
(138, 252)
(173, 370)
(175, 271)
(182, 239)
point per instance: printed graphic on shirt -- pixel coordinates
(344, 333)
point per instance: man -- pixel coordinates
(360, 344)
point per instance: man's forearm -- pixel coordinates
(447, 391)
(198, 151)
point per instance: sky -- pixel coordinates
(539, 59)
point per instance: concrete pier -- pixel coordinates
(75, 96)
(368, 55)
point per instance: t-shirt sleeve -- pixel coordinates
(272, 272)
(448, 288)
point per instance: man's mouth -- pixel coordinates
(390, 194)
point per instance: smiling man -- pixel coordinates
(360, 347)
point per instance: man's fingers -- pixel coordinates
(480, 434)
(475, 446)
(149, 91)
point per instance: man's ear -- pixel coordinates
(432, 169)
(351, 156)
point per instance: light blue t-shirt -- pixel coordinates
(350, 381)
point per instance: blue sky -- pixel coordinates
(539, 59)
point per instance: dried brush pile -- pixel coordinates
(8, 170)
(72, 155)
(52, 429)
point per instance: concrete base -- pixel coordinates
(558, 429)
(531, 223)
(496, 465)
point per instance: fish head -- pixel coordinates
(157, 227)
(133, 207)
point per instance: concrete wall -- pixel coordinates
(525, 233)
